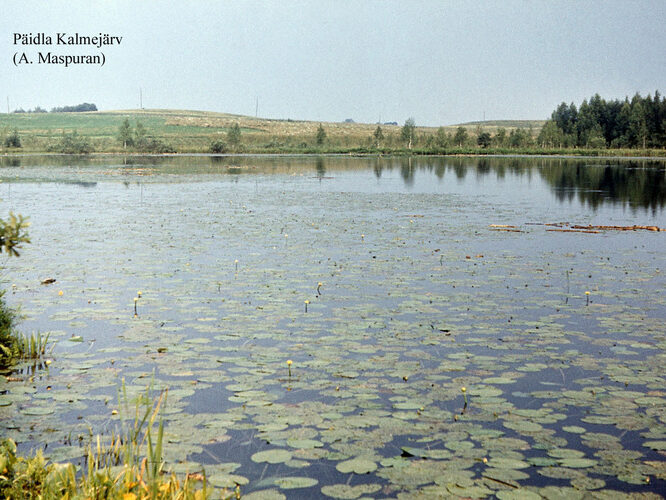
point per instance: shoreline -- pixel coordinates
(660, 157)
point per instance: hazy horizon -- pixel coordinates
(440, 62)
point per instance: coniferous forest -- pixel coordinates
(639, 122)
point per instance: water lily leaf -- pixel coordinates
(357, 466)
(519, 494)
(588, 483)
(468, 491)
(271, 494)
(565, 453)
(564, 493)
(507, 463)
(655, 445)
(39, 410)
(223, 480)
(394, 462)
(294, 482)
(542, 461)
(274, 456)
(346, 492)
(577, 463)
(304, 443)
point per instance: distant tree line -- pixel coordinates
(597, 123)
(79, 108)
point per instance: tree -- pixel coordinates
(140, 137)
(441, 138)
(517, 138)
(320, 138)
(500, 136)
(640, 122)
(79, 108)
(595, 138)
(125, 134)
(407, 132)
(13, 140)
(234, 135)
(461, 136)
(551, 135)
(638, 130)
(565, 117)
(378, 135)
(483, 139)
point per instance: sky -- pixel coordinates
(439, 62)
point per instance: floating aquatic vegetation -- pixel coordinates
(561, 395)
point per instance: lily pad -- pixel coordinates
(346, 492)
(274, 456)
(271, 494)
(357, 466)
(304, 443)
(293, 482)
(578, 463)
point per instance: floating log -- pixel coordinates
(620, 228)
(574, 230)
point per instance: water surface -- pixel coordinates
(424, 291)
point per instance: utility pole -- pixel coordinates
(7, 104)
(256, 108)
(140, 98)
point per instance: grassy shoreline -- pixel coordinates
(597, 154)
(194, 132)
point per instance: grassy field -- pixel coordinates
(194, 131)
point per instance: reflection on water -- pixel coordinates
(593, 182)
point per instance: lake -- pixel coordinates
(454, 326)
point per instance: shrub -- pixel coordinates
(72, 143)
(13, 140)
(218, 147)
(151, 145)
(9, 342)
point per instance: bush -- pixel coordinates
(72, 143)
(218, 147)
(9, 343)
(151, 145)
(13, 140)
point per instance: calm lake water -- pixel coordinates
(422, 276)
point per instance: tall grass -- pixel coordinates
(130, 467)
(16, 346)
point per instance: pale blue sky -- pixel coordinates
(441, 62)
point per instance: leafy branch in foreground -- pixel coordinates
(13, 234)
